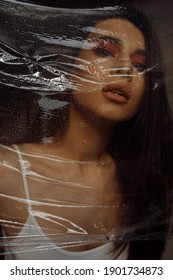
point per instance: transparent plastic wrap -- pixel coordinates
(86, 147)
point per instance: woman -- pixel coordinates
(103, 189)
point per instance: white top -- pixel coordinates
(32, 243)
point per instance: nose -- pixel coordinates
(122, 72)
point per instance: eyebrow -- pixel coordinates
(113, 40)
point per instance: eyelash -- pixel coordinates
(102, 51)
(140, 67)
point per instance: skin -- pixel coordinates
(83, 162)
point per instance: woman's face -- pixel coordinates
(110, 78)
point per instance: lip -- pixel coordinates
(116, 92)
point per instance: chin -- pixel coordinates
(105, 111)
(113, 114)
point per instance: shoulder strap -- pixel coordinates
(23, 171)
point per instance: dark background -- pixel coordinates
(160, 14)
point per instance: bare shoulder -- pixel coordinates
(10, 170)
(12, 196)
(10, 163)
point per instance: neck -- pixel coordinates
(86, 136)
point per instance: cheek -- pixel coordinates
(138, 88)
(89, 78)
(94, 71)
(138, 94)
(92, 68)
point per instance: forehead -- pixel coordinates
(122, 29)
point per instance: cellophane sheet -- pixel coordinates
(53, 60)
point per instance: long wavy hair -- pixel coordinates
(142, 148)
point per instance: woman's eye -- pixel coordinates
(102, 51)
(140, 67)
(106, 49)
(139, 61)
